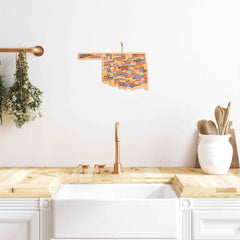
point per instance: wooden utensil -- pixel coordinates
(226, 119)
(211, 128)
(219, 115)
(201, 125)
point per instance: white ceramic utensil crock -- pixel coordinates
(215, 153)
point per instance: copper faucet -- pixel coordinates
(117, 165)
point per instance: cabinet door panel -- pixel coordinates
(19, 225)
(215, 224)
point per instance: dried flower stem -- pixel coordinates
(22, 100)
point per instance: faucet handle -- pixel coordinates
(83, 167)
(99, 167)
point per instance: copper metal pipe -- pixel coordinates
(117, 165)
(37, 50)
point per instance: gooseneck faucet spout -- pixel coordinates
(117, 165)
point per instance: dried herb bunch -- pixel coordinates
(2, 92)
(22, 100)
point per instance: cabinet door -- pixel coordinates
(19, 225)
(216, 224)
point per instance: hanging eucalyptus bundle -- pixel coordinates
(22, 100)
(2, 92)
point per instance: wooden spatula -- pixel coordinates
(219, 115)
(226, 119)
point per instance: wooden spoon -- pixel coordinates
(201, 125)
(211, 128)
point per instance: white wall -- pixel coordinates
(193, 54)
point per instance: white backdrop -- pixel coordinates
(193, 54)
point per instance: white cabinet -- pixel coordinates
(19, 224)
(209, 218)
(19, 219)
(215, 224)
(200, 219)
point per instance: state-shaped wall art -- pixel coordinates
(122, 70)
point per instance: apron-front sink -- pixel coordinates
(115, 211)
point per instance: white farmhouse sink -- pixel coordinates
(115, 211)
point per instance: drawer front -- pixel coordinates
(215, 224)
(19, 225)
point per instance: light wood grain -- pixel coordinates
(188, 182)
(206, 186)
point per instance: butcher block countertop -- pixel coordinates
(187, 182)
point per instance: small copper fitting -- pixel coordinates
(83, 167)
(99, 167)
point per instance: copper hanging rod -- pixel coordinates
(37, 50)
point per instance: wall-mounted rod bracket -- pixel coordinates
(37, 50)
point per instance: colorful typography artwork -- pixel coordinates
(122, 70)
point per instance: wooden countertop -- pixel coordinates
(188, 182)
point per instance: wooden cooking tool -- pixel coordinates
(219, 115)
(226, 119)
(201, 125)
(207, 127)
(211, 128)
